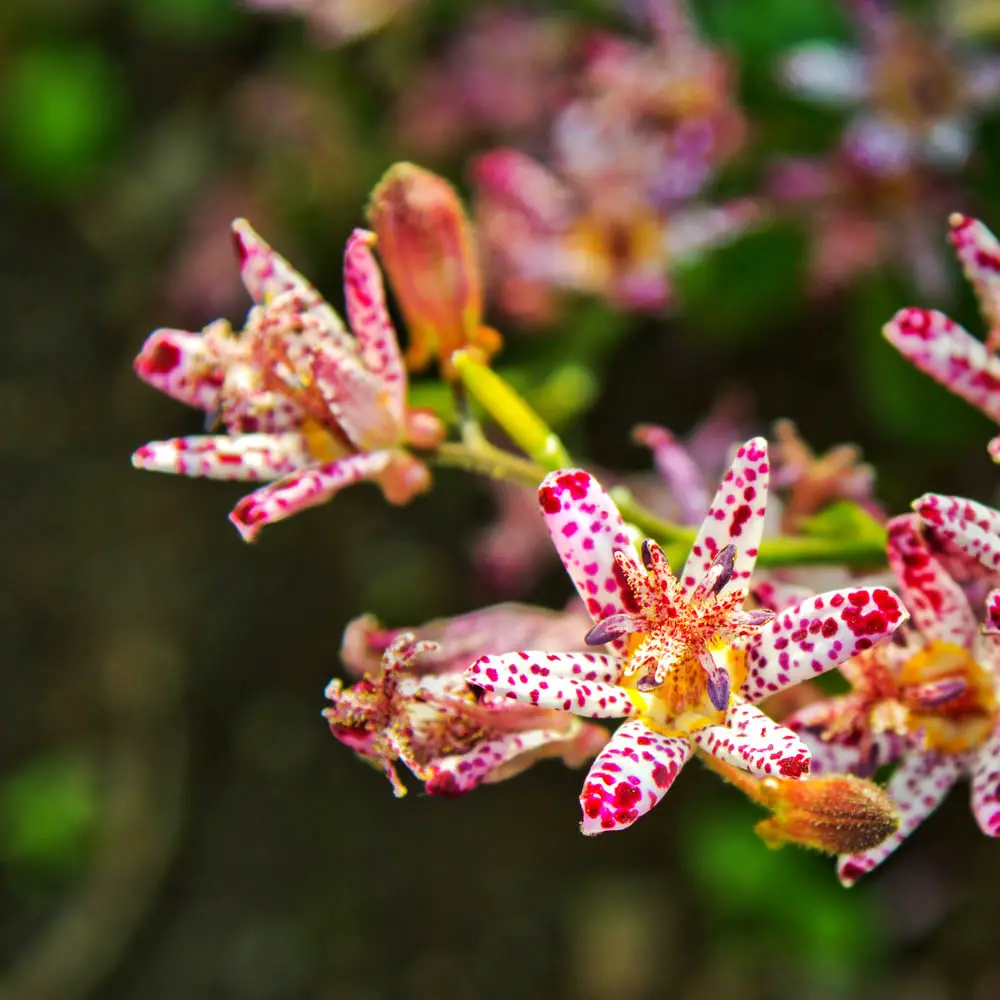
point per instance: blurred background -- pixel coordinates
(175, 819)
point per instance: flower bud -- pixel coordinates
(427, 248)
(835, 814)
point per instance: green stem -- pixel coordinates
(486, 460)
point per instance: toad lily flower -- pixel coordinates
(303, 402)
(688, 661)
(418, 710)
(929, 704)
(941, 348)
(916, 92)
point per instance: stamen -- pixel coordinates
(761, 616)
(718, 684)
(718, 575)
(613, 627)
(647, 553)
(936, 693)
(647, 682)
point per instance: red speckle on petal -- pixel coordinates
(549, 500)
(163, 359)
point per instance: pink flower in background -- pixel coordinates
(917, 91)
(688, 662)
(859, 219)
(302, 400)
(928, 703)
(944, 350)
(412, 704)
(544, 231)
(610, 212)
(505, 74)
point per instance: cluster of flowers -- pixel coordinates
(707, 662)
(614, 139)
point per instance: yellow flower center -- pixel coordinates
(681, 704)
(958, 723)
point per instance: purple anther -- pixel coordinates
(613, 627)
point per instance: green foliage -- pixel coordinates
(784, 905)
(197, 22)
(48, 812)
(61, 109)
(730, 294)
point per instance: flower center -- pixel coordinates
(915, 81)
(682, 700)
(949, 696)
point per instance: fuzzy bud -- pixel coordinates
(835, 814)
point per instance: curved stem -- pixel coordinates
(485, 459)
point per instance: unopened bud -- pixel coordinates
(427, 248)
(835, 814)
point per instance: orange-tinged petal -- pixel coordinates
(427, 247)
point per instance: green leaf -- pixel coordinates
(48, 812)
(844, 520)
(60, 111)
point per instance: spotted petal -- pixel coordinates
(752, 741)
(461, 773)
(918, 787)
(986, 785)
(941, 348)
(581, 683)
(249, 457)
(586, 530)
(267, 275)
(184, 366)
(972, 527)
(630, 775)
(991, 619)
(979, 253)
(303, 489)
(843, 752)
(370, 321)
(817, 635)
(939, 606)
(778, 595)
(736, 516)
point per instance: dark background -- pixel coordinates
(175, 820)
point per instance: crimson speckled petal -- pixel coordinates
(630, 775)
(460, 773)
(303, 489)
(979, 254)
(581, 683)
(587, 530)
(736, 516)
(184, 366)
(985, 768)
(918, 787)
(754, 742)
(973, 527)
(817, 635)
(267, 275)
(248, 457)
(371, 324)
(938, 604)
(949, 354)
